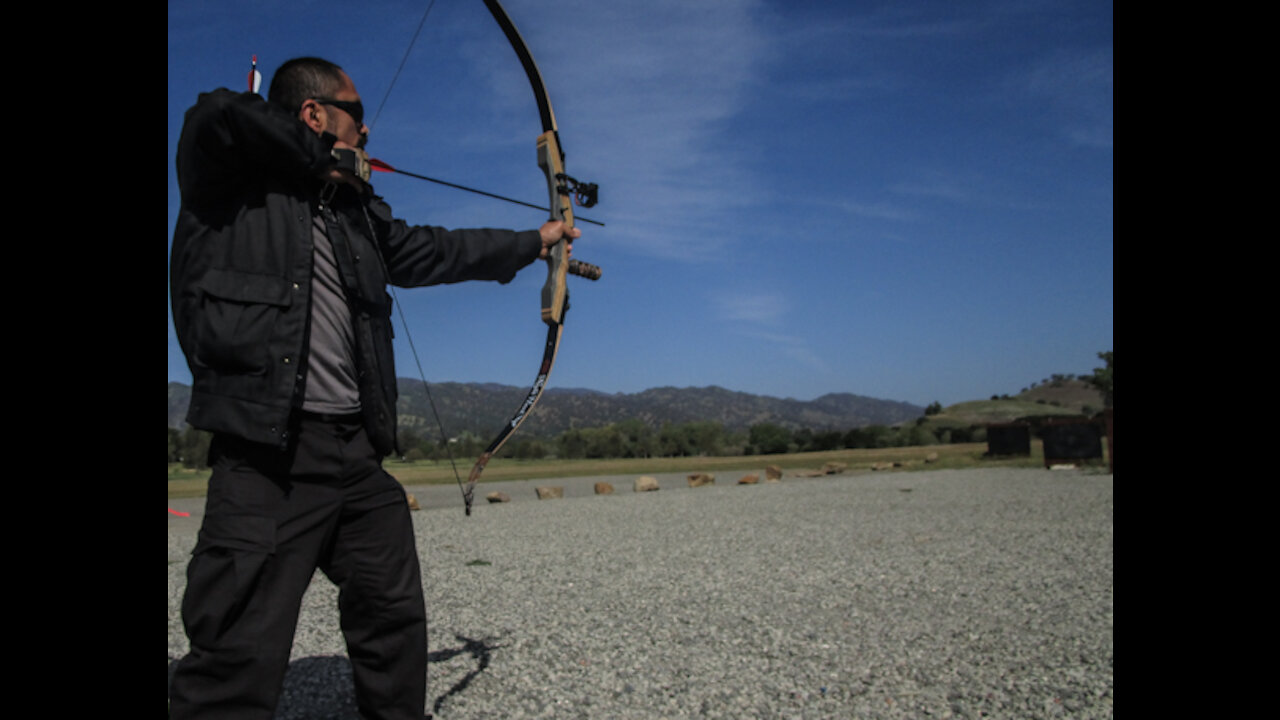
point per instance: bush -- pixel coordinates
(920, 435)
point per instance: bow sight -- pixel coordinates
(585, 194)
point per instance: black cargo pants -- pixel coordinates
(272, 518)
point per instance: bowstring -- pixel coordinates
(444, 439)
(404, 321)
(403, 60)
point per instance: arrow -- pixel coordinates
(380, 166)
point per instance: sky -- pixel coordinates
(905, 200)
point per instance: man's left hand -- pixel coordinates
(552, 232)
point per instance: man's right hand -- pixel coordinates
(352, 166)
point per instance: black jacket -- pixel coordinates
(240, 267)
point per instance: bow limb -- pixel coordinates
(555, 292)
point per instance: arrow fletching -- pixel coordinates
(255, 77)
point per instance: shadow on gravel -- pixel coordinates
(478, 649)
(321, 688)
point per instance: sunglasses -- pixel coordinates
(354, 109)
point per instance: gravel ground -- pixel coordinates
(943, 594)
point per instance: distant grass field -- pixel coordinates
(193, 483)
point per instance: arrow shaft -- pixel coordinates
(379, 165)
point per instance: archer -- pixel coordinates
(281, 259)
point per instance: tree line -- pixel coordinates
(636, 439)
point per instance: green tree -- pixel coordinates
(529, 449)
(827, 440)
(194, 449)
(605, 442)
(407, 440)
(572, 444)
(638, 439)
(1102, 377)
(468, 445)
(706, 436)
(673, 441)
(934, 408)
(867, 436)
(803, 439)
(769, 439)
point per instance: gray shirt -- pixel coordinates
(331, 370)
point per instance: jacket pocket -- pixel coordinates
(237, 314)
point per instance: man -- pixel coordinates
(279, 267)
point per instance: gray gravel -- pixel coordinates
(943, 594)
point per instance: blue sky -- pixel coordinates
(905, 200)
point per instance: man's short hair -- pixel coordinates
(302, 78)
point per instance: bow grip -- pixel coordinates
(555, 293)
(586, 270)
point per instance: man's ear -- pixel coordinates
(312, 115)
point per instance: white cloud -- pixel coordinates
(754, 307)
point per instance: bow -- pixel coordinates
(561, 189)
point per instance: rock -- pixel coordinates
(700, 479)
(749, 479)
(498, 497)
(772, 473)
(646, 484)
(413, 501)
(547, 492)
(604, 488)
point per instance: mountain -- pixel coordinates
(481, 408)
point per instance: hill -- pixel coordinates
(482, 408)
(1068, 394)
(1055, 397)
